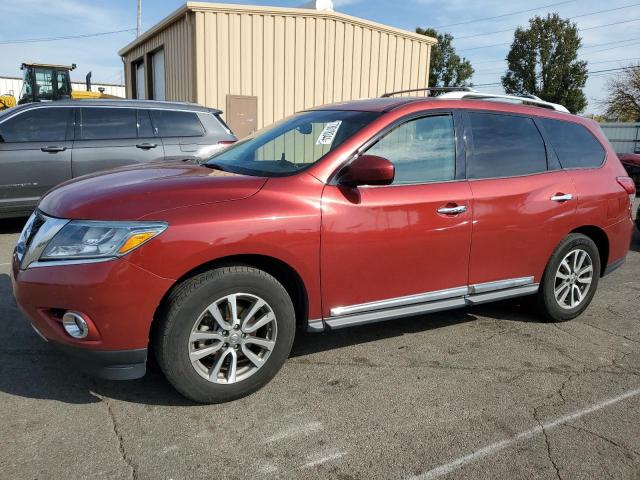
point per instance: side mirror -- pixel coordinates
(368, 170)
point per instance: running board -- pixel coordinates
(405, 310)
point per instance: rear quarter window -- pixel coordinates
(169, 123)
(575, 146)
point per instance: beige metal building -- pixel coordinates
(261, 64)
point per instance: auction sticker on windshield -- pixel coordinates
(328, 133)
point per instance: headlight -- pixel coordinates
(80, 239)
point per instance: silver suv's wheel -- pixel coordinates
(233, 338)
(573, 279)
(570, 279)
(224, 333)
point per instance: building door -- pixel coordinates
(242, 114)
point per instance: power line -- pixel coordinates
(68, 37)
(466, 22)
(509, 43)
(590, 63)
(596, 73)
(570, 18)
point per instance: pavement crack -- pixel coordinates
(605, 439)
(116, 430)
(547, 442)
(612, 333)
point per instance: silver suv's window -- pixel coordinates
(169, 123)
(108, 123)
(37, 125)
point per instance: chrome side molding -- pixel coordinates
(428, 302)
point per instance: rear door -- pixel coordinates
(35, 154)
(523, 202)
(110, 137)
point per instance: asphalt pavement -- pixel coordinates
(486, 392)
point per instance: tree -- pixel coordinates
(543, 61)
(447, 69)
(623, 101)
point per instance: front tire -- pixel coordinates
(570, 279)
(225, 333)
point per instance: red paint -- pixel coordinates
(348, 245)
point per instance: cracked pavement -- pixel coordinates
(391, 400)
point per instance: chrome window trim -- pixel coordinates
(430, 302)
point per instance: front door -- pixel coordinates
(35, 155)
(383, 243)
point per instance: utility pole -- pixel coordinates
(139, 20)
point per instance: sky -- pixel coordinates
(610, 33)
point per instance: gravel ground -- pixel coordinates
(486, 392)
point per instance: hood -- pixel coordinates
(131, 193)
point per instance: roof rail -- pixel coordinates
(524, 99)
(429, 89)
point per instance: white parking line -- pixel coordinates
(295, 430)
(326, 458)
(501, 445)
(5, 264)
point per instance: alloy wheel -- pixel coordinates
(232, 338)
(573, 279)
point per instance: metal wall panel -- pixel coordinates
(177, 40)
(625, 137)
(291, 59)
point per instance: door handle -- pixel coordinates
(562, 197)
(53, 149)
(146, 146)
(452, 210)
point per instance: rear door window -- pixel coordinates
(170, 123)
(108, 123)
(144, 124)
(422, 150)
(38, 125)
(575, 145)
(504, 146)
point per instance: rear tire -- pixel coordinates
(570, 279)
(224, 333)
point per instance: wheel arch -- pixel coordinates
(290, 279)
(600, 238)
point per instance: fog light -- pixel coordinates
(75, 325)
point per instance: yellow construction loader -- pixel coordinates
(48, 82)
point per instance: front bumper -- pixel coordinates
(118, 299)
(107, 364)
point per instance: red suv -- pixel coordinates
(342, 215)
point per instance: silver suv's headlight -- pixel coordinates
(83, 239)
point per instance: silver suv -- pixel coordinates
(44, 144)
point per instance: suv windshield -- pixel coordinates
(291, 144)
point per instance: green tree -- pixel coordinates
(447, 69)
(623, 100)
(543, 61)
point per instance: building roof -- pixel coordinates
(262, 10)
(149, 104)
